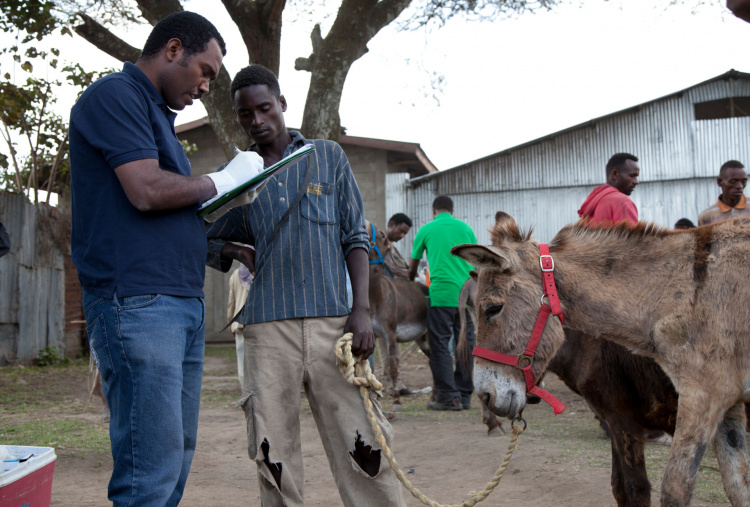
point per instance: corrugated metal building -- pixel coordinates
(681, 140)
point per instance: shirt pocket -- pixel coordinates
(319, 203)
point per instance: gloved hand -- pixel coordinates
(245, 166)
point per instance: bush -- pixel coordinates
(50, 356)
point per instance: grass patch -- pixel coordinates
(219, 398)
(26, 390)
(222, 352)
(69, 436)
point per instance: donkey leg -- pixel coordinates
(382, 348)
(698, 416)
(630, 485)
(730, 448)
(393, 362)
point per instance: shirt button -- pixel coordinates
(281, 184)
(282, 199)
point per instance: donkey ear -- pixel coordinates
(481, 256)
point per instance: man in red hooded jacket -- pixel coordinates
(610, 202)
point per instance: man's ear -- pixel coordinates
(613, 174)
(282, 101)
(174, 49)
(718, 180)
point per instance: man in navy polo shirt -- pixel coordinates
(140, 251)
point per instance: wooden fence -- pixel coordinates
(33, 282)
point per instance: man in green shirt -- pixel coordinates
(447, 276)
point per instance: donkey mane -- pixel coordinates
(502, 231)
(606, 230)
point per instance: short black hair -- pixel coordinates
(684, 223)
(400, 218)
(731, 164)
(255, 74)
(443, 202)
(618, 160)
(193, 30)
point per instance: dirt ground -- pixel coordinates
(561, 460)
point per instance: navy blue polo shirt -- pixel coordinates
(116, 248)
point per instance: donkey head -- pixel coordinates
(382, 243)
(509, 292)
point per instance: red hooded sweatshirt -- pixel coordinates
(606, 203)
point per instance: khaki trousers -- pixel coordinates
(280, 358)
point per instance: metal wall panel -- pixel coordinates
(396, 201)
(395, 194)
(717, 141)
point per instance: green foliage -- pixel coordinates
(188, 147)
(35, 137)
(35, 16)
(50, 356)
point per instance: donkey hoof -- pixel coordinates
(396, 407)
(497, 431)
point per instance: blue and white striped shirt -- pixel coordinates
(302, 272)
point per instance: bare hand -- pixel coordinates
(247, 257)
(363, 342)
(244, 254)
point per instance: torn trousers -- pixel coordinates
(281, 357)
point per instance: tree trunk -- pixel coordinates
(357, 22)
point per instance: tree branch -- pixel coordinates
(156, 10)
(58, 158)
(308, 63)
(259, 23)
(9, 140)
(105, 40)
(385, 12)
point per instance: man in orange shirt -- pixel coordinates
(732, 202)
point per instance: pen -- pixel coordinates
(237, 150)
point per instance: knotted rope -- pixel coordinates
(359, 374)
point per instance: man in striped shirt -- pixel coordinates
(297, 307)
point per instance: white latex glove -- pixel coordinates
(245, 166)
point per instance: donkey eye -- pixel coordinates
(492, 310)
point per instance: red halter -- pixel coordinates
(523, 361)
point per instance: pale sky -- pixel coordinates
(505, 82)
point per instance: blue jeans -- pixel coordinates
(149, 351)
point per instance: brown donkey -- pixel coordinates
(398, 310)
(669, 295)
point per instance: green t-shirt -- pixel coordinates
(447, 272)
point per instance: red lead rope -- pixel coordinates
(524, 361)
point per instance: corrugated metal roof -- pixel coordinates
(652, 124)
